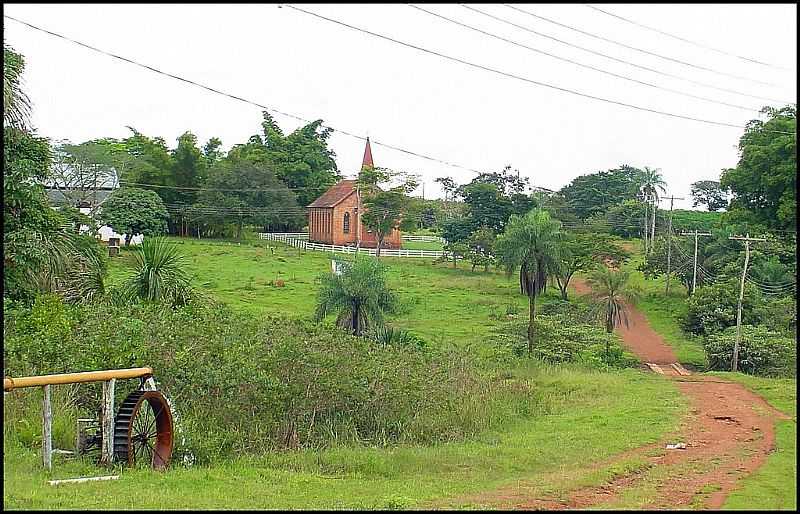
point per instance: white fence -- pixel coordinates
(292, 239)
(424, 239)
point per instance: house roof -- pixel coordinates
(335, 194)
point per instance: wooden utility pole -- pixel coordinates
(747, 240)
(645, 200)
(694, 273)
(669, 238)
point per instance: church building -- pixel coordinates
(334, 218)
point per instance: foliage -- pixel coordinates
(761, 351)
(16, 104)
(533, 244)
(612, 294)
(390, 209)
(709, 193)
(624, 219)
(713, 308)
(684, 219)
(159, 274)
(78, 172)
(133, 211)
(358, 296)
(391, 336)
(481, 248)
(581, 252)
(764, 181)
(595, 193)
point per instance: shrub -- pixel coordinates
(243, 384)
(761, 351)
(713, 308)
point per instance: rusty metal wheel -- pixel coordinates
(143, 430)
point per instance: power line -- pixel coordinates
(238, 98)
(517, 77)
(653, 70)
(254, 190)
(690, 42)
(576, 63)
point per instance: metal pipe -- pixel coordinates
(75, 378)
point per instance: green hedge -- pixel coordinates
(761, 351)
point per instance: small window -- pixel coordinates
(346, 223)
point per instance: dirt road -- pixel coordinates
(728, 434)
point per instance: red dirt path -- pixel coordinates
(728, 434)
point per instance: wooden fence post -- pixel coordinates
(107, 422)
(47, 429)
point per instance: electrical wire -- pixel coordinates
(240, 99)
(518, 77)
(616, 59)
(576, 63)
(687, 40)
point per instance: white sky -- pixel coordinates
(312, 68)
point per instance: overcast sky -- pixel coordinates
(313, 68)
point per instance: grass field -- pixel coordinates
(441, 303)
(629, 408)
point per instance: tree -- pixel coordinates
(16, 104)
(582, 252)
(709, 193)
(132, 211)
(80, 171)
(359, 296)
(651, 182)
(159, 274)
(386, 210)
(595, 193)
(764, 181)
(481, 246)
(531, 243)
(612, 294)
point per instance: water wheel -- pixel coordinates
(143, 430)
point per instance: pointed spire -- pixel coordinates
(367, 162)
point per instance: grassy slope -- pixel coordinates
(442, 303)
(629, 408)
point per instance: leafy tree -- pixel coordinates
(159, 274)
(386, 210)
(80, 171)
(582, 252)
(212, 152)
(481, 248)
(713, 308)
(453, 251)
(612, 294)
(595, 193)
(623, 219)
(457, 229)
(761, 351)
(359, 296)
(765, 180)
(132, 211)
(16, 104)
(709, 193)
(449, 187)
(531, 243)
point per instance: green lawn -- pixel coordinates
(440, 303)
(628, 408)
(422, 245)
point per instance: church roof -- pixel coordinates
(335, 194)
(367, 156)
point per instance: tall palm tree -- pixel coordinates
(16, 104)
(612, 295)
(359, 295)
(651, 181)
(531, 243)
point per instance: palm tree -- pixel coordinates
(16, 104)
(359, 295)
(612, 294)
(159, 274)
(532, 243)
(651, 181)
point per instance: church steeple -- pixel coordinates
(367, 162)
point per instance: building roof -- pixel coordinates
(367, 156)
(335, 194)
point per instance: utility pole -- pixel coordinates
(669, 238)
(694, 274)
(645, 200)
(747, 240)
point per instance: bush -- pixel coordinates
(713, 308)
(242, 384)
(559, 339)
(761, 351)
